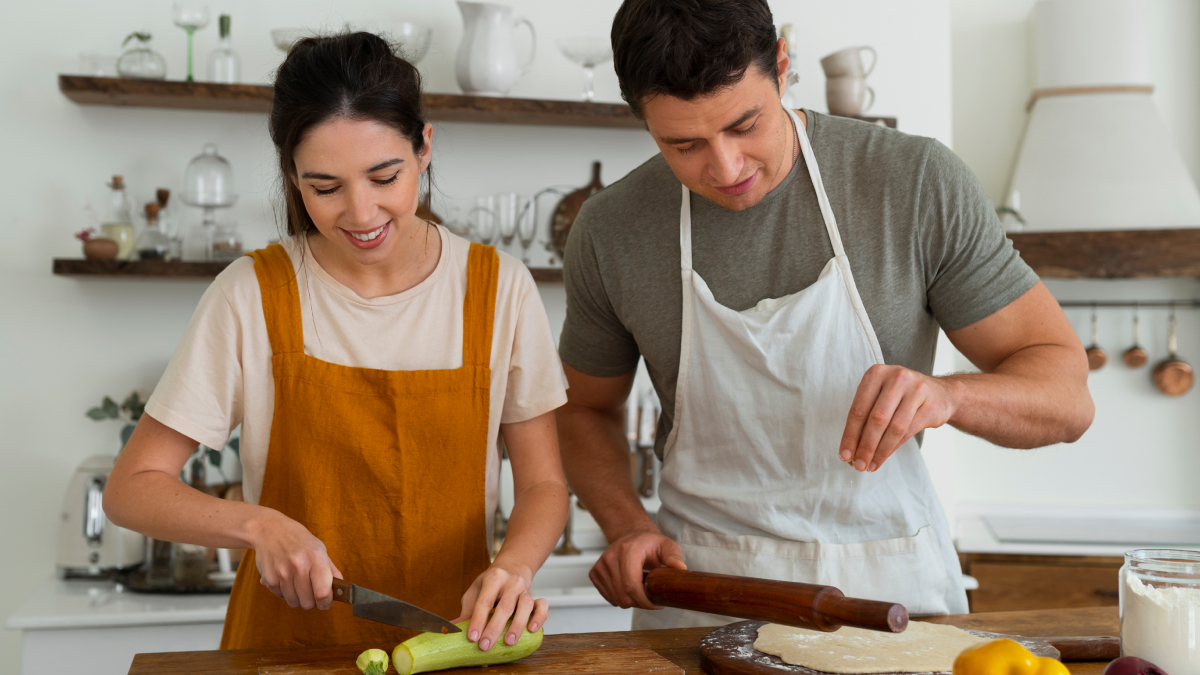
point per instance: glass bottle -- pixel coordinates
(140, 61)
(152, 243)
(167, 224)
(224, 66)
(118, 223)
(226, 243)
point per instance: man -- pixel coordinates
(784, 276)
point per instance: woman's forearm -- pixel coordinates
(144, 494)
(538, 517)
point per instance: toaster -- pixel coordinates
(88, 544)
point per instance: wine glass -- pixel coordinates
(509, 203)
(483, 220)
(190, 17)
(527, 227)
(588, 52)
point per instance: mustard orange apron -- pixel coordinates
(386, 467)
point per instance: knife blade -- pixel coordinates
(375, 606)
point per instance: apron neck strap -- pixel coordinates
(479, 307)
(280, 298)
(814, 174)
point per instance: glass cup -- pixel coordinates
(483, 220)
(1160, 600)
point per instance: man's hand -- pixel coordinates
(618, 572)
(892, 405)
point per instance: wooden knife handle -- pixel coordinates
(792, 604)
(343, 591)
(1085, 648)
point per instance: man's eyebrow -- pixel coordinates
(732, 125)
(314, 175)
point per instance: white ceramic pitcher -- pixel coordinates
(487, 58)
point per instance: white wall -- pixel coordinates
(1141, 450)
(65, 343)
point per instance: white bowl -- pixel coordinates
(284, 38)
(414, 40)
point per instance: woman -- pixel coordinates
(373, 360)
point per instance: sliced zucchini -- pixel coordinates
(435, 651)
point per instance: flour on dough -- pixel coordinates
(921, 648)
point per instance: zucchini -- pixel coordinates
(435, 651)
(372, 662)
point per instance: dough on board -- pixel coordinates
(921, 648)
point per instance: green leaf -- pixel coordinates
(235, 444)
(110, 408)
(134, 405)
(98, 414)
(214, 457)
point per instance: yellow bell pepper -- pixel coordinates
(1005, 657)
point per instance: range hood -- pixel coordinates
(1096, 155)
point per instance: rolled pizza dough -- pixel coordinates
(921, 648)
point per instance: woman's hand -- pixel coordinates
(293, 563)
(507, 592)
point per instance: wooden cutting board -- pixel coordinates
(603, 660)
(729, 650)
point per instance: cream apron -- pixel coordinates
(752, 483)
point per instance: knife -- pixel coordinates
(375, 606)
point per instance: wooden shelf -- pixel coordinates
(1111, 254)
(115, 91)
(175, 269)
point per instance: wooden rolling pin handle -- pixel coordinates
(1085, 648)
(861, 613)
(809, 606)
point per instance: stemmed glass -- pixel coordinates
(484, 217)
(189, 17)
(527, 227)
(589, 53)
(509, 202)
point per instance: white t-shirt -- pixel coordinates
(220, 375)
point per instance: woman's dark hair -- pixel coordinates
(354, 75)
(689, 48)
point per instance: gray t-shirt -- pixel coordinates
(923, 239)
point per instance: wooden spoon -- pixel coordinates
(1135, 356)
(1173, 376)
(1096, 355)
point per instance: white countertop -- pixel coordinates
(56, 604)
(1025, 530)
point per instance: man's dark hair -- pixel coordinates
(689, 48)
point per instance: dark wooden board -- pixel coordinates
(176, 269)
(681, 646)
(600, 660)
(1111, 254)
(729, 650)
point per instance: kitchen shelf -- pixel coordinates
(115, 91)
(1111, 254)
(175, 269)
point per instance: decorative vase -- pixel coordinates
(100, 248)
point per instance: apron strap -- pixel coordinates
(814, 173)
(685, 230)
(479, 306)
(280, 299)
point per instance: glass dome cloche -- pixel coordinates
(208, 180)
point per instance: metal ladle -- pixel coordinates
(1096, 356)
(1135, 356)
(1173, 376)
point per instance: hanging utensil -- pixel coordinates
(1173, 376)
(568, 209)
(1096, 356)
(1135, 356)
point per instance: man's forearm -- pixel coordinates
(1036, 397)
(596, 460)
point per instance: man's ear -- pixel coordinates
(781, 62)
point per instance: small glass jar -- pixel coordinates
(226, 243)
(1160, 608)
(141, 62)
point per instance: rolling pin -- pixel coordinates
(810, 606)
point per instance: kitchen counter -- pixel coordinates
(1073, 531)
(681, 646)
(57, 604)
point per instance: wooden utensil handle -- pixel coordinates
(343, 591)
(791, 604)
(1085, 648)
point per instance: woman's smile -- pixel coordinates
(367, 239)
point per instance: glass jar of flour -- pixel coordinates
(1160, 609)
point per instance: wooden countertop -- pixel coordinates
(682, 645)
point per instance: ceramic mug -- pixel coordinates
(848, 62)
(845, 96)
